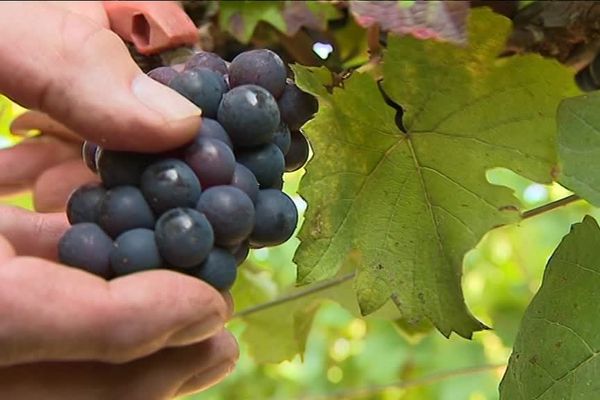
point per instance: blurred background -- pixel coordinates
(347, 357)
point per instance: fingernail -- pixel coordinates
(197, 332)
(167, 102)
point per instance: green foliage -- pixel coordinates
(404, 208)
(579, 145)
(555, 354)
(241, 18)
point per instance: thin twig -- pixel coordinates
(550, 206)
(405, 384)
(296, 295)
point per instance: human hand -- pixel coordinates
(67, 334)
(61, 58)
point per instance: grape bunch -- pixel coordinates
(198, 209)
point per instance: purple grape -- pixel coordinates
(258, 67)
(297, 155)
(211, 128)
(84, 203)
(211, 160)
(275, 218)
(296, 107)
(135, 251)
(87, 247)
(88, 153)
(163, 75)
(203, 87)
(245, 180)
(208, 60)
(124, 208)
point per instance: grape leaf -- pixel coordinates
(310, 14)
(579, 146)
(555, 355)
(240, 18)
(444, 20)
(406, 207)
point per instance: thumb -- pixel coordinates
(82, 75)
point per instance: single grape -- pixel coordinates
(135, 251)
(87, 247)
(184, 237)
(218, 270)
(298, 153)
(230, 213)
(258, 67)
(249, 114)
(124, 208)
(240, 252)
(266, 163)
(88, 154)
(203, 87)
(208, 60)
(275, 220)
(118, 168)
(282, 138)
(170, 184)
(296, 107)
(210, 128)
(163, 75)
(84, 203)
(211, 160)
(245, 180)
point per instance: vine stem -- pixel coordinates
(550, 206)
(293, 296)
(405, 384)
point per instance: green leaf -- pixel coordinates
(406, 207)
(579, 146)
(556, 352)
(240, 18)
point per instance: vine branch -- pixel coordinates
(406, 384)
(550, 206)
(296, 295)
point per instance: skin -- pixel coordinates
(66, 334)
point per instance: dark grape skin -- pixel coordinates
(133, 251)
(282, 138)
(265, 162)
(260, 67)
(296, 107)
(184, 237)
(124, 208)
(170, 183)
(88, 154)
(297, 155)
(245, 180)
(218, 270)
(203, 87)
(163, 75)
(211, 160)
(275, 220)
(119, 168)
(86, 246)
(240, 252)
(230, 213)
(249, 114)
(208, 60)
(211, 128)
(83, 204)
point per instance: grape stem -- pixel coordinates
(296, 295)
(550, 206)
(405, 384)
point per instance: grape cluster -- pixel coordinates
(198, 209)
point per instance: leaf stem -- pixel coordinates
(296, 295)
(405, 384)
(550, 206)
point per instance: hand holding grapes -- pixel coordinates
(60, 58)
(65, 333)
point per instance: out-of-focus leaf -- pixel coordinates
(555, 356)
(309, 14)
(579, 146)
(240, 18)
(442, 20)
(406, 207)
